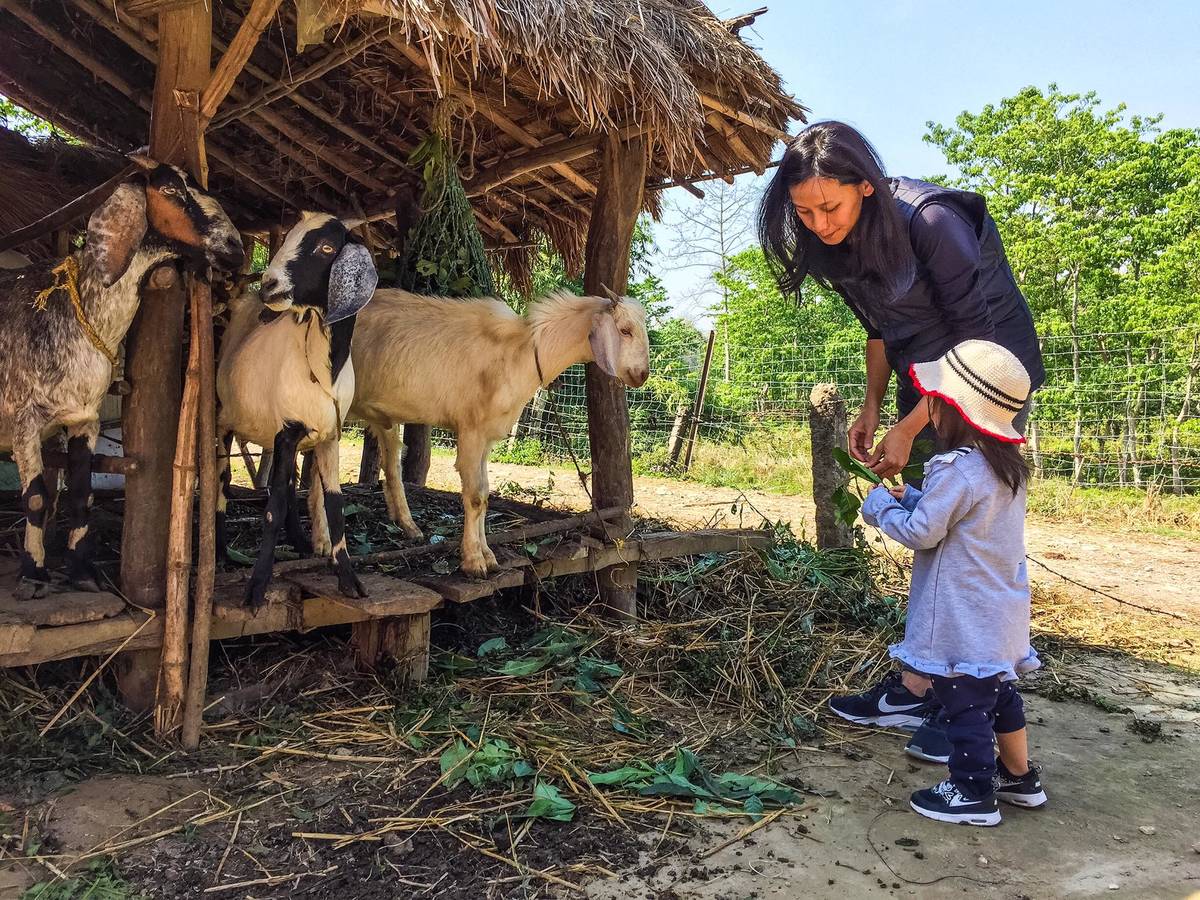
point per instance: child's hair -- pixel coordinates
(1004, 457)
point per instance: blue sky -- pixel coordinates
(889, 67)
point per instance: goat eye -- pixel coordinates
(627, 332)
(169, 191)
(326, 248)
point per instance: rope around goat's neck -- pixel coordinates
(66, 278)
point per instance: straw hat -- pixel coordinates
(983, 381)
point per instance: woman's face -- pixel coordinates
(828, 208)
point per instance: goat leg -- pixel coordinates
(393, 484)
(282, 473)
(27, 454)
(292, 527)
(81, 444)
(224, 468)
(325, 459)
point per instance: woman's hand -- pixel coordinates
(891, 454)
(862, 433)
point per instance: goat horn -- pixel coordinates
(612, 295)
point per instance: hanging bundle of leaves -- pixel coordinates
(444, 254)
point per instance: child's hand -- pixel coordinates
(898, 491)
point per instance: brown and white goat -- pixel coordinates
(471, 366)
(285, 380)
(55, 355)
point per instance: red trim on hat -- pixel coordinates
(912, 373)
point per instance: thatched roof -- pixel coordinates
(532, 81)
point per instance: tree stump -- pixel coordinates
(827, 426)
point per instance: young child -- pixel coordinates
(968, 609)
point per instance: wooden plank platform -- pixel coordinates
(42, 631)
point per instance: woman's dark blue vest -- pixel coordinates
(913, 327)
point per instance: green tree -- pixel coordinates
(1091, 204)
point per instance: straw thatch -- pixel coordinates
(331, 126)
(38, 176)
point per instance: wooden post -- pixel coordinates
(399, 640)
(610, 232)
(698, 403)
(675, 441)
(418, 453)
(152, 410)
(827, 428)
(206, 558)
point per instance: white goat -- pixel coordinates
(471, 366)
(60, 326)
(287, 382)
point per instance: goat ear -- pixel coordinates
(605, 342)
(142, 157)
(115, 231)
(352, 281)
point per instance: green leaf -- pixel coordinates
(626, 776)
(495, 645)
(237, 556)
(526, 666)
(854, 467)
(426, 267)
(522, 769)
(846, 505)
(352, 509)
(548, 803)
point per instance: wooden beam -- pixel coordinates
(148, 8)
(326, 65)
(722, 127)
(745, 118)
(520, 164)
(708, 176)
(236, 56)
(494, 114)
(610, 233)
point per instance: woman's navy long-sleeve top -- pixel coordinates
(964, 287)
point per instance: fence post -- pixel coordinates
(827, 429)
(675, 441)
(372, 459)
(698, 405)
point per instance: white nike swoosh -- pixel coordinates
(886, 707)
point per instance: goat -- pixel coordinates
(285, 380)
(471, 366)
(59, 331)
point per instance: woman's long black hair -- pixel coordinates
(876, 258)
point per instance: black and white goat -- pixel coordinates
(60, 326)
(471, 366)
(285, 380)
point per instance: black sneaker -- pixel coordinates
(888, 704)
(946, 803)
(1025, 790)
(930, 742)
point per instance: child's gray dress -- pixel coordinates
(968, 609)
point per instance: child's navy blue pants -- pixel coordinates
(974, 708)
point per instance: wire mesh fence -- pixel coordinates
(1117, 409)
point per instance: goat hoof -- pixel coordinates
(474, 569)
(350, 586)
(322, 548)
(256, 596)
(33, 588)
(412, 532)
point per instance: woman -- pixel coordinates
(923, 268)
